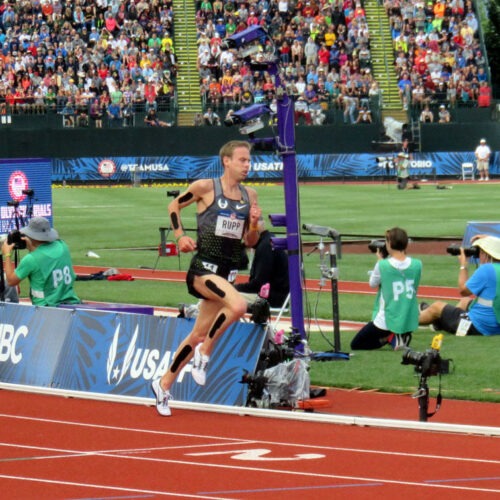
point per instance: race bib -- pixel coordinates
(230, 225)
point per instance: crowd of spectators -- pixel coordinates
(86, 59)
(95, 60)
(323, 48)
(437, 56)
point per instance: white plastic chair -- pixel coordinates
(467, 171)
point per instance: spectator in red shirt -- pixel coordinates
(323, 55)
(150, 95)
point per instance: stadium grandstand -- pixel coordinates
(109, 64)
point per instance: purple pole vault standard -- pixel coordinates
(249, 117)
(286, 144)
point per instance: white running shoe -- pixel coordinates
(486, 178)
(162, 398)
(199, 370)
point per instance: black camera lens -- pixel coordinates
(174, 193)
(375, 245)
(454, 249)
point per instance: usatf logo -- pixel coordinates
(115, 373)
(127, 360)
(106, 168)
(18, 182)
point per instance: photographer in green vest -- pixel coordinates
(395, 314)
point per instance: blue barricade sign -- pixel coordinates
(118, 353)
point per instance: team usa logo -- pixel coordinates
(18, 182)
(106, 168)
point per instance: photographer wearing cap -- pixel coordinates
(395, 314)
(47, 266)
(479, 316)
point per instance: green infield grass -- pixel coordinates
(120, 225)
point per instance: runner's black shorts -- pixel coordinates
(201, 266)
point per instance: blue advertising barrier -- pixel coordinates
(116, 353)
(263, 167)
(480, 227)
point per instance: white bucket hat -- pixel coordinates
(489, 245)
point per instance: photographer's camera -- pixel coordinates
(380, 245)
(15, 237)
(428, 363)
(454, 249)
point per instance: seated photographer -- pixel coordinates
(47, 266)
(395, 314)
(479, 316)
(269, 265)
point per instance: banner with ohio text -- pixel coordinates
(118, 353)
(263, 167)
(25, 192)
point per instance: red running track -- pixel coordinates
(54, 447)
(431, 292)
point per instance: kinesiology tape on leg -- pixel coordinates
(214, 288)
(186, 351)
(217, 324)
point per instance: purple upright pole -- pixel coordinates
(286, 148)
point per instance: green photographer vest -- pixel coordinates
(399, 291)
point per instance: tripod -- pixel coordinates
(422, 395)
(162, 251)
(17, 221)
(29, 208)
(330, 272)
(2, 280)
(164, 233)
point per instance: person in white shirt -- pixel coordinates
(482, 154)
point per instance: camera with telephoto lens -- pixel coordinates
(174, 193)
(15, 237)
(375, 245)
(427, 363)
(454, 249)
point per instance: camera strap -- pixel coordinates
(439, 400)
